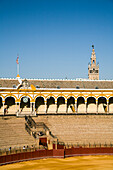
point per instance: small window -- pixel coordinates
(91, 71)
(96, 71)
(14, 86)
(93, 61)
(77, 87)
(96, 87)
(58, 87)
(37, 86)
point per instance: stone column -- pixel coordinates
(108, 106)
(19, 108)
(76, 106)
(86, 106)
(56, 105)
(97, 106)
(15, 107)
(45, 106)
(66, 105)
(3, 107)
(33, 107)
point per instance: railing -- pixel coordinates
(41, 124)
(20, 149)
(27, 128)
(30, 121)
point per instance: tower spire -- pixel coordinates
(93, 68)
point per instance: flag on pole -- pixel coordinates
(17, 60)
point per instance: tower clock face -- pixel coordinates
(25, 99)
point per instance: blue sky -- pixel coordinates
(54, 37)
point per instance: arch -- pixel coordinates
(111, 104)
(91, 105)
(24, 105)
(110, 96)
(91, 96)
(70, 95)
(9, 100)
(81, 107)
(50, 95)
(102, 104)
(102, 95)
(25, 95)
(40, 105)
(61, 106)
(10, 95)
(9, 105)
(40, 95)
(81, 95)
(71, 104)
(51, 107)
(61, 95)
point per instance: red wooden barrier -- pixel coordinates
(61, 153)
(87, 151)
(58, 153)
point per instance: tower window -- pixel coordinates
(93, 61)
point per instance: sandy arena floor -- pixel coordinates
(77, 163)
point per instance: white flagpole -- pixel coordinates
(17, 68)
(17, 64)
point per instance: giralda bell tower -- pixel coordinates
(93, 68)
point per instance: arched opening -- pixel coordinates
(25, 105)
(91, 105)
(102, 105)
(61, 107)
(51, 107)
(1, 106)
(9, 106)
(71, 105)
(111, 105)
(81, 105)
(40, 105)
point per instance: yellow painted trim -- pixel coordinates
(10, 95)
(40, 95)
(91, 95)
(102, 95)
(50, 95)
(2, 96)
(71, 95)
(25, 95)
(81, 95)
(110, 96)
(61, 95)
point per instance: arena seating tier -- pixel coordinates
(80, 129)
(13, 133)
